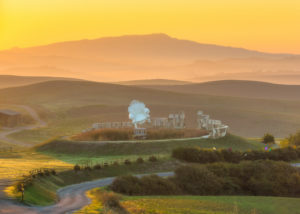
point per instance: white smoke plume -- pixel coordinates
(138, 112)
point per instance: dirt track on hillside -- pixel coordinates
(39, 124)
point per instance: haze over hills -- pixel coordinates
(155, 56)
(109, 102)
(8, 81)
(236, 88)
(151, 82)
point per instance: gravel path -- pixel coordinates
(72, 198)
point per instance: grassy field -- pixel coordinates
(199, 204)
(17, 164)
(74, 152)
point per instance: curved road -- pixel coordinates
(39, 124)
(72, 198)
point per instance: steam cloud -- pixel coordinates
(138, 112)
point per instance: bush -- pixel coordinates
(97, 167)
(268, 138)
(127, 162)
(87, 168)
(197, 155)
(198, 181)
(105, 134)
(76, 168)
(147, 185)
(295, 139)
(53, 171)
(152, 159)
(264, 178)
(140, 160)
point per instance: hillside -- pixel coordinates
(8, 81)
(236, 88)
(155, 56)
(78, 103)
(153, 82)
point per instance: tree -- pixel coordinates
(268, 138)
(295, 139)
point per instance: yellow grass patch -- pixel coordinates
(13, 168)
(95, 207)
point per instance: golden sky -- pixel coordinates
(266, 25)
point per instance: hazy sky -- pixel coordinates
(267, 25)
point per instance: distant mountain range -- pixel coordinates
(155, 56)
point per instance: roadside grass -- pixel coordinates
(43, 190)
(75, 151)
(198, 204)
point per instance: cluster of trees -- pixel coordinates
(294, 139)
(265, 178)
(198, 155)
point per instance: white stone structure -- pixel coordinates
(215, 127)
(173, 121)
(112, 125)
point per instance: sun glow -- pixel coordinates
(263, 25)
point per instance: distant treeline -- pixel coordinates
(265, 178)
(197, 155)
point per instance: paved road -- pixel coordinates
(39, 123)
(72, 198)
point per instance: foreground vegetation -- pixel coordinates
(263, 178)
(198, 155)
(195, 204)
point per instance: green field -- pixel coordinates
(198, 204)
(74, 151)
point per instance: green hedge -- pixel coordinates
(264, 178)
(197, 155)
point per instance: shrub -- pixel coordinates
(116, 163)
(87, 168)
(76, 168)
(140, 160)
(268, 138)
(147, 185)
(152, 159)
(197, 155)
(105, 134)
(53, 171)
(295, 139)
(97, 167)
(197, 180)
(46, 172)
(127, 162)
(263, 177)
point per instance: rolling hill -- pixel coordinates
(8, 81)
(155, 56)
(73, 100)
(151, 82)
(235, 88)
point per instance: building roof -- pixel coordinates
(8, 112)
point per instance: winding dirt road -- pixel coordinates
(72, 198)
(39, 124)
